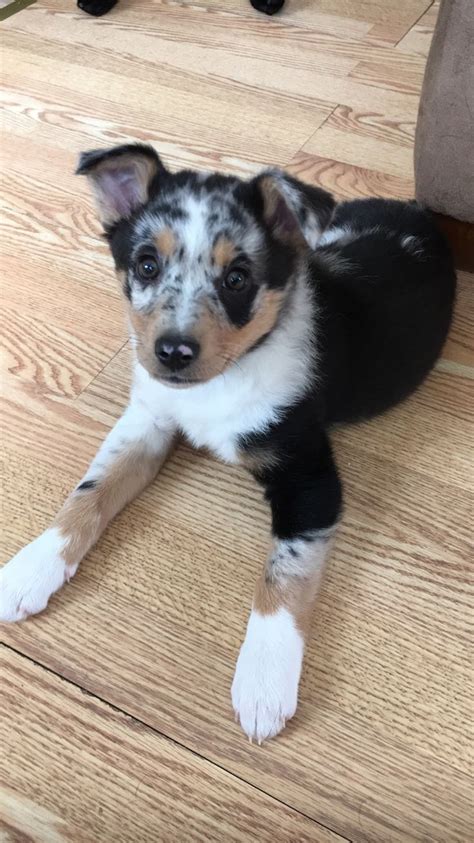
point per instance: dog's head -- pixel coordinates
(206, 261)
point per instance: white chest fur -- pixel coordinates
(248, 397)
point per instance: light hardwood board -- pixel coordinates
(381, 748)
(418, 40)
(56, 361)
(399, 133)
(347, 181)
(390, 74)
(84, 746)
(386, 22)
(316, 73)
(459, 346)
(358, 138)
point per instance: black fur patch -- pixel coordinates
(280, 263)
(238, 306)
(120, 238)
(259, 342)
(88, 161)
(303, 487)
(382, 324)
(380, 327)
(88, 484)
(171, 212)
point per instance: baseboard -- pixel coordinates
(461, 237)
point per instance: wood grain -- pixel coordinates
(390, 75)
(84, 746)
(417, 41)
(388, 23)
(356, 138)
(347, 181)
(149, 629)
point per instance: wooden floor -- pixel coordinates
(116, 716)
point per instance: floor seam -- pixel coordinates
(88, 385)
(394, 46)
(173, 741)
(312, 135)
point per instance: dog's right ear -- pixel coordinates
(121, 178)
(295, 212)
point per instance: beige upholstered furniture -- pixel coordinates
(444, 146)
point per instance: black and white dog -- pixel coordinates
(261, 314)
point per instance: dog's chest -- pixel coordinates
(218, 424)
(213, 415)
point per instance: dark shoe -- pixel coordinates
(267, 6)
(96, 7)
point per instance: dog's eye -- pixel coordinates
(147, 267)
(236, 280)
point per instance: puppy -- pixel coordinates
(260, 315)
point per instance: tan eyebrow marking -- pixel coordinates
(166, 242)
(224, 251)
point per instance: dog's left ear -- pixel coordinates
(296, 212)
(121, 178)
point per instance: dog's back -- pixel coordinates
(385, 285)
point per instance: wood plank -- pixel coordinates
(418, 39)
(121, 122)
(216, 139)
(459, 347)
(302, 26)
(373, 125)
(390, 74)
(392, 30)
(314, 75)
(356, 138)
(347, 181)
(42, 352)
(72, 760)
(391, 22)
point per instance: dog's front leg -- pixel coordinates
(129, 459)
(305, 508)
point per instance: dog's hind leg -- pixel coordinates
(127, 462)
(305, 508)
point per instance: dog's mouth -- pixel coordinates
(181, 380)
(178, 381)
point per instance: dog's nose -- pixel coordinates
(176, 352)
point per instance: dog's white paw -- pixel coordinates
(265, 686)
(32, 576)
